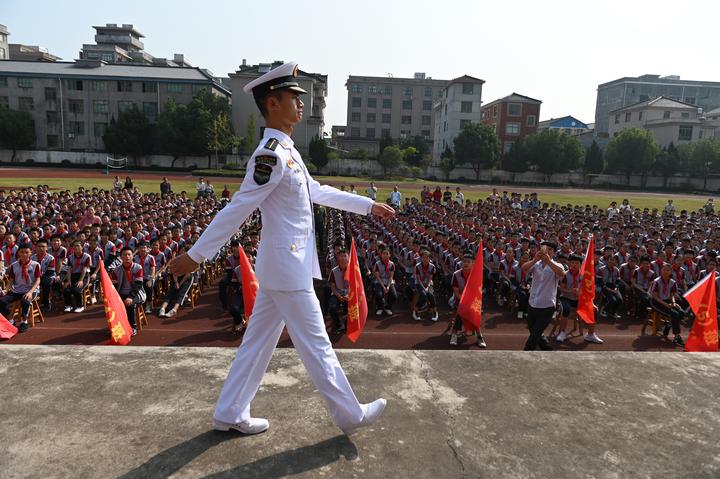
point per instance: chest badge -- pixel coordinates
(290, 163)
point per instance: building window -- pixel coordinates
(466, 107)
(24, 82)
(356, 102)
(124, 86)
(514, 109)
(51, 116)
(495, 111)
(99, 129)
(355, 132)
(174, 88)
(150, 109)
(386, 132)
(25, 103)
(77, 128)
(666, 115)
(627, 116)
(507, 146)
(4, 102)
(407, 91)
(464, 123)
(425, 120)
(685, 133)
(512, 128)
(700, 134)
(370, 132)
(372, 102)
(404, 133)
(371, 118)
(52, 141)
(685, 115)
(149, 87)
(99, 85)
(108, 57)
(3, 81)
(387, 103)
(640, 116)
(445, 127)
(427, 105)
(690, 99)
(428, 91)
(75, 85)
(388, 90)
(406, 120)
(467, 88)
(355, 88)
(617, 119)
(407, 105)
(355, 117)
(531, 120)
(76, 106)
(125, 106)
(197, 87)
(425, 134)
(372, 90)
(100, 106)
(50, 94)
(386, 118)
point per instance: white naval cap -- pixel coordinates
(282, 77)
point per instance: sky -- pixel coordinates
(557, 51)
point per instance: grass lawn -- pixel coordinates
(407, 188)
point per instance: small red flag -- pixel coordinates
(703, 301)
(7, 330)
(586, 295)
(120, 330)
(357, 304)
(250, 283)
(470, 307)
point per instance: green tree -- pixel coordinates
(594, 162)
(447, 162)
(390, 159)
(632, 151)
(16, 130)
(419, 156)
(176, 132)
(386, 141)
(248, 141)
(553, 151)
(130, 135)
(667, 162)
(705, 158)
(516, 160)
(478, 146)
(220, 135)
(318, 152)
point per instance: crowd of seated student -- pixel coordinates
(644, 259)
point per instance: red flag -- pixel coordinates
(703, 301)
(7, 330)
(250, 283)
(357, 304)
(120, 330)
(470, 307)
(586, 295)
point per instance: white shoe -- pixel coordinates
(68, 309)
(170, 313)
(388, 312)
(453, 340)
(521, 315)
(561, 337)
(416, 317)
(593, 338)
(373, 411)
(481, 341)
(161, 313)
(251, 426)
(501, 301)
(435, 316)
(93, 300)
(617, 316)
(79, 310)
(378, 312)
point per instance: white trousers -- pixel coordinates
(300, 312)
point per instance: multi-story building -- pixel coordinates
(458, 105)
(31, 53)
(71, 103)
(513, 117)
(566, 124)
(398, 108)
(670, 121)
(4, 47)
(244, 105)
(630, 90)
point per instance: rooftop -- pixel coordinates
(649, 78)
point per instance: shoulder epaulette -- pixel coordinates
(271, 144)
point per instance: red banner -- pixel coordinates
(703, 301)
(250, 283)
(120, 330)
(7, 330)
(357, 304)
(586, 295)
(470, 307)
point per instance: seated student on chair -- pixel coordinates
(47, 269)
(609, 282)
(231, 262)
(237, 302)
(663, 291)
(77, 279)
(147, 262)
(424, 273)
(339, 288)
(96, 257)
(128, 280)
(508, 265)
(522, 285)
(178, 289)
(24, 277)
(384, 271)
(641, 281)
(458, 282)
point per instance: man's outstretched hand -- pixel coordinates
(182, 265)
(382, 210)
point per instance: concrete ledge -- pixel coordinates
(146, 412)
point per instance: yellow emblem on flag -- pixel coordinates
(117, 332)
(476, 306)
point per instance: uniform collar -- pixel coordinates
(280, 136)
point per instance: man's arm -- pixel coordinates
(328, 196)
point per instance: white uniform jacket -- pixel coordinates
(287, 258)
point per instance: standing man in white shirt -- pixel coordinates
(372, 191)
(278, 183)
(395, 199)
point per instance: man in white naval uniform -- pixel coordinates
(278, 183)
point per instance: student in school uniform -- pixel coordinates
(128, 280)
(339, 288)
(24, 277)
(424, 273)
(385, 293)
(458, 282)
(664, 294)
(236, 305)
(77, 279)
(47, 270)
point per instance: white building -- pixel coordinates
(458, 105)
